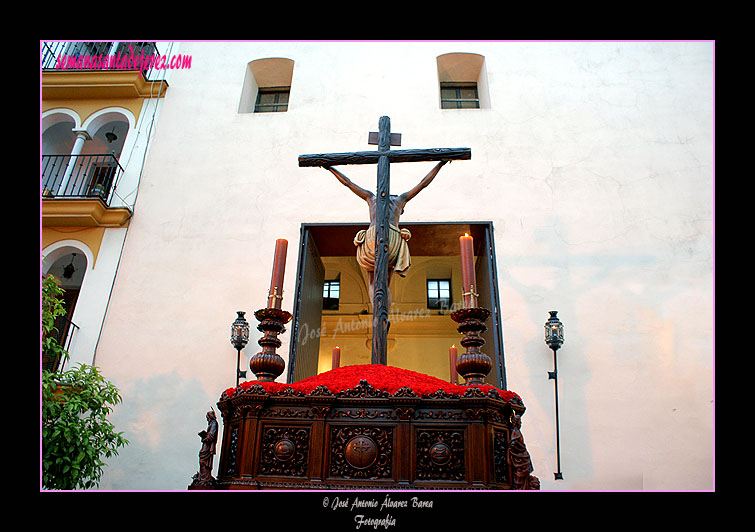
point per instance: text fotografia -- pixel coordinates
(123, 61)
(357, 505)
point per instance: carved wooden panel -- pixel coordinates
(500, 464)
(366, 437)
(284, 451)
(233, 446)
(361, 452)
(440, 454)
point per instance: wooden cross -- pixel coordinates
(383, 157)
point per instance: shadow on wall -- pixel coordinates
(160, 416)
(563, 281)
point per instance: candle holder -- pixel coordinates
(473, 365)
(470, 298)
(275, 299)
(267, 364)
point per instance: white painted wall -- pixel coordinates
(138, 141)
(595, 163)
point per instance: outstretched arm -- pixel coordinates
(359, 191)
(425, 181)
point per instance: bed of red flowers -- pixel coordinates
(384, 378)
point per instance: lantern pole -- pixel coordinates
(239, 338)
(554, 337)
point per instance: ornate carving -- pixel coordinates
(518, 458)
(441, 394)
(353, 435)
(440, 455)
(363, 413)
(404, 412)
(320, 411)
(363, 390)
(209, 439)
(493, 415)
(440, 414)
(473, 391)
(404, 391)
(500, 465)
(321, 391)
(285, 451)
(352, 452)
(290, 392)
(254, 389)
(288, 412)
(233, 447)
(475, 413)
(360, 452)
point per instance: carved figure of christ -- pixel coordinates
(395, 210)
(384, 211)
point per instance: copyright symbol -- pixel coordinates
(325, 502)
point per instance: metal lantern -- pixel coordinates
(554, 337)
(554, 331)
(239, 339)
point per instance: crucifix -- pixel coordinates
(384, 209)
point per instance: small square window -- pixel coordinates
(459, 96)
(272, 100)
(331, 292)
(438, 293)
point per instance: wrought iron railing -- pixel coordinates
(80, 176)
(64, 332)
(65, 55)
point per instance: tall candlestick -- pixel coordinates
(275, 295)
(336, 363)
(468, 279)
(452, 354)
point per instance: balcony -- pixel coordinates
(97, 54)
(77, 190)
(80, 176)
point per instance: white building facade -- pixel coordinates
(96, 128)
(592, 162)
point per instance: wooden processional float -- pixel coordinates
(370, 426)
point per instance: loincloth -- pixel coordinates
(398, 249)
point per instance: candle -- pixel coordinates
(336, 357)
(468, 280)
(452, 352)
(275, 295)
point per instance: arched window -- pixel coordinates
(463, 81)
(267, 86)
(68, 265)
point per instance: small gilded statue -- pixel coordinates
(209, 438)
(519, 458)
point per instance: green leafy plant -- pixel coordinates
(76, 433)
(52, 307)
